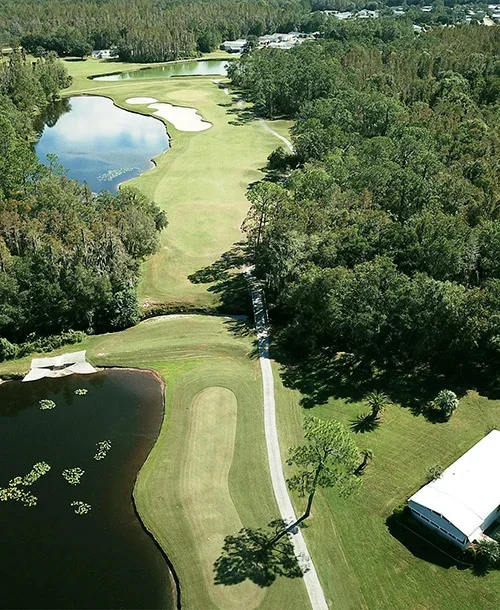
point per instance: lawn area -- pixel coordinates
(207, 475)
(201, 182)
(360, 564)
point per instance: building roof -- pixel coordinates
(469, 490)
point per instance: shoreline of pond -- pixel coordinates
(173, 579)
(135, 113)
(95, 77)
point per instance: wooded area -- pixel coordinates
(151, 30)
(68, 259)
(142, 30)
(380, 235)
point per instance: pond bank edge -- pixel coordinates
(109, 97)
(174, 579)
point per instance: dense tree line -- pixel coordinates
(68, 259)
(150, 30)
(381, 235)
(142, 30)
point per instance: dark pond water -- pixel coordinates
(51, 557)
(98, 143)
(186, 68)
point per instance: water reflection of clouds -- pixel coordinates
(96, 137)
(98, 119)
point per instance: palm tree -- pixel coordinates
(377, 401)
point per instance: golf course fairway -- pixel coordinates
(200, 182)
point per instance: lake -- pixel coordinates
(98, 143)
(51, 557)
(216, 67)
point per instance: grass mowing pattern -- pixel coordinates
(206, 461)
(360, 564)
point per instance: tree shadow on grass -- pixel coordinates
(365, 423)
(227, 281)
(326, 374)
(248, 555)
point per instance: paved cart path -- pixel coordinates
(311, 580)
(289, 145)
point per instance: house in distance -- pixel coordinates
(465, 500)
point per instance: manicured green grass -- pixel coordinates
(201, 182)
(207, 475)
(360, 564)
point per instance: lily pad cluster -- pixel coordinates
(81, 508)
(20, 495)
(102, 449)
(81, 391)
(114, 173)
(73, 475)
(46, 404)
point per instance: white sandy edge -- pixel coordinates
(183, 119)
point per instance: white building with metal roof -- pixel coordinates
(465, 500)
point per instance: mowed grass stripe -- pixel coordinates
(205, 492)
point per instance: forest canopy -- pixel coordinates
(163, 30)
(380, 235)
(68, 259)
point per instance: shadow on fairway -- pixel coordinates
(227, 281)
(247, 555)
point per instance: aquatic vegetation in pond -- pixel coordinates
(81, 392)
(114, 173)
(73, 475)
(81, 508)
(66, 438)
(46, 404)
(102, 449)
(19, 495)
(38, 470)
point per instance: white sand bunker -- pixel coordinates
(59, 366)
(141, 100)
(183, 119)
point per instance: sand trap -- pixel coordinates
(141, 100)
(183, 119)
(59, 366)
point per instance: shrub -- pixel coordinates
(434, 472)
(8, 350)
(47, 344)
(445, 403)
(487, 555)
